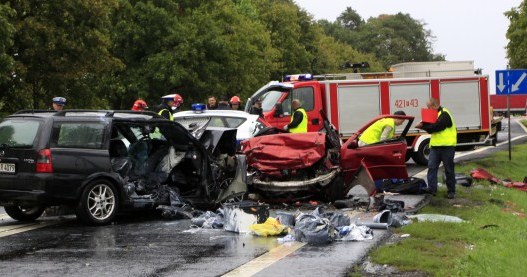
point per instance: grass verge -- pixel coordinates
(491, 241)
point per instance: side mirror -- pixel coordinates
(278, 110)
(353, 144)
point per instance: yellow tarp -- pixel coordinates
(271, 227)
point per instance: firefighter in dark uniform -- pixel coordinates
(442, 147)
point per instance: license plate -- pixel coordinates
(7, 168)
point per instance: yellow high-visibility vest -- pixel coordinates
(447, 137)
(302, 127)
(171, 117)
(373, 133)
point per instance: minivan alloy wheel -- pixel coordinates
(101, 201)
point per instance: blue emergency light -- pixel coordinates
(198, 107)
(298, 77)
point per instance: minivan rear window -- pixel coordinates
(78, 135)
(18, 132)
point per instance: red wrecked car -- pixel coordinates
(318, 164)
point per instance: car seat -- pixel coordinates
(119, 157)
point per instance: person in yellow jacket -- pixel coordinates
(299, 119)
(382, 129)
(442, 148)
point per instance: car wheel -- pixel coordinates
(421, 156)
(24, 213)
(98, 204)
(335, 189)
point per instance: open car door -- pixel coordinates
(384, 159)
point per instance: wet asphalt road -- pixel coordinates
(145, 245)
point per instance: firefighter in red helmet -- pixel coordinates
(139, 105)
(235, 103)
(178, 100)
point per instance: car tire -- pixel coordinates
(335, 189)
(98, 204)
(24, 213)
(421, 156)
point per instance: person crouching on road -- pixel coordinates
(165, 108)
(382, 129)
(139, 105)
(299, 119)
(442, 147)
(59, 103)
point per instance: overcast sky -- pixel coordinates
(464, 29)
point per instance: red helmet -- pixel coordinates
(139, 105)
(178, 100)
(235, 100)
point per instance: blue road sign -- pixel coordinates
(511, 81)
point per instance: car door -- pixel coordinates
(385, 159)
(78, 150)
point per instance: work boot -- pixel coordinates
(451, 195)
(429, 191)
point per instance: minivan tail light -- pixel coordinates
(44, 161)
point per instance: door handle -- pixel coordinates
(315, 121)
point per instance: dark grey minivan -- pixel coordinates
(101, 162)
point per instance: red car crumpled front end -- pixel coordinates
(291, 162)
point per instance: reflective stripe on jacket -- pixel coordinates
(447, 137)
(171, 117)
(302, 127)
(373, 133)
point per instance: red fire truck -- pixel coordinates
(350, 103)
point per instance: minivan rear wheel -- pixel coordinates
(24, 213)
(98, 204)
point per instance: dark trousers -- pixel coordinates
(440, 154)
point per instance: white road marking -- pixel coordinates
(265, 260)
(19, 228)
(4, 216)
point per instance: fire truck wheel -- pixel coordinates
(421, 156)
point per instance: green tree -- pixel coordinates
(301, 42)
(199, 48)
(395, 39)
(7, 31)
(350, 19)
(391, 38)
(517, 36)
(145, 38)
(59, 47)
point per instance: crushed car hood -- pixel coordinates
(271, 154)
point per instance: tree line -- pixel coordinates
(104, 54)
